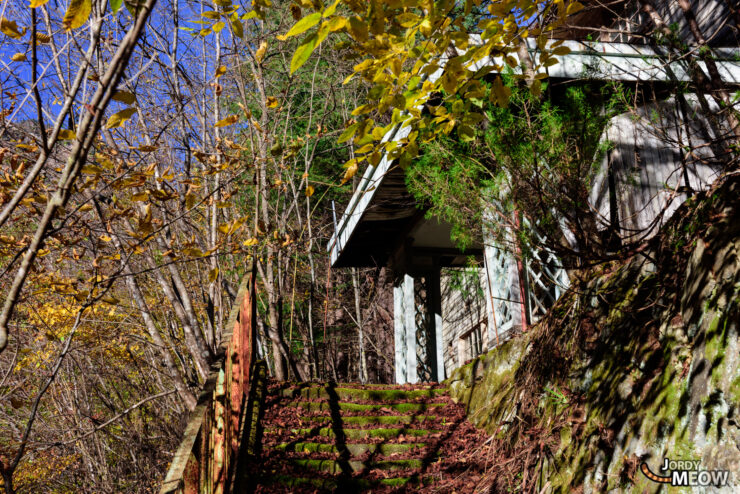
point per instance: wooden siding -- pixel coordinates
(462, 312)
(652, 165)
(713, 17)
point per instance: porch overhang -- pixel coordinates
(382, 212)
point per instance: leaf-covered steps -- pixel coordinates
(321, 406)
(355, 394)
(355, 449)
(352, 438)
(357, 433)
(381, 419)
(337, 466)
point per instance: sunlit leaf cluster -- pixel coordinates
(411, 50)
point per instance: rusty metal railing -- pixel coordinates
(206, 460)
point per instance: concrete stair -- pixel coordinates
(320, 437)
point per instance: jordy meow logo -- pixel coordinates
(686, 473)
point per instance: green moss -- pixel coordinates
(489, 399)
(355, 449)
(359, 433)
(715, 347)
(631, 381)
(565, 437)
(350, 394)
(289, 481)
(735, 390)
(684, 449)
(335, 467)
(345, 485)
(381, 419)
(397, 481)
(307, 447)
(358, 407)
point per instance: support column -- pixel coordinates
(410, 327)
(489, 264)
(399, 330)
(435, 348)
(406, 317)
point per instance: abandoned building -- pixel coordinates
(439, 324)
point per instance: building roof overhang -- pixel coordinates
(381, 212)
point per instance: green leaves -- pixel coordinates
(303, 52)
(348, 132)
(358, 29)
(309, 44)
(134, 6)
(77, 14)
(407, 19)
(561, 50)
(303, 25)
(115, 5)
(236, 26)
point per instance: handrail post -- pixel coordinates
(206, 459)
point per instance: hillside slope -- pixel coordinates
(639, 362)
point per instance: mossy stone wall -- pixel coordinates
(640, 364)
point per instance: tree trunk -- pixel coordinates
(274, 331)
(197, 352)
(7, 480)
(164, 350)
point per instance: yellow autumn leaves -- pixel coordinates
(224, 122)
(10, 28)
(312, 41)
(77, 14)
(121, 117)
(403, 44)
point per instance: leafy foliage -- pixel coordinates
(401, 44)
(536, 156)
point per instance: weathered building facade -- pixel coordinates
(447, 312)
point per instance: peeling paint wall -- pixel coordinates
(463, 311)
